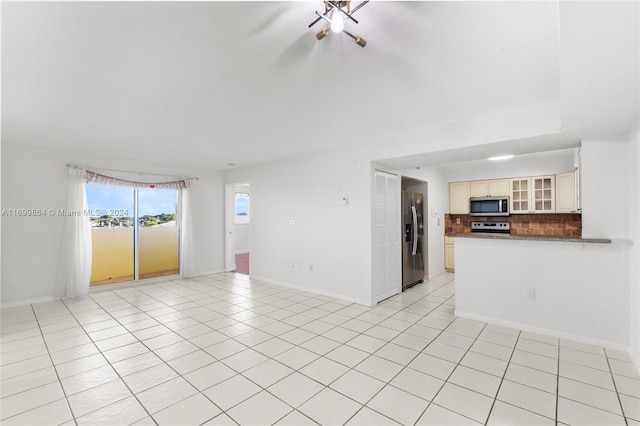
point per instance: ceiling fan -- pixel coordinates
(338, 10)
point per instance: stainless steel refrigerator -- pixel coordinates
(412, 220)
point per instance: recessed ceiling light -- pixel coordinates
(500, 157)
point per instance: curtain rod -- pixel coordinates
(135, 173)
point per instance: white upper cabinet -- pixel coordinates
(566, 193)
(544, 197)
(479, 188)
(489, 188)
(533, 195)
(521, 195)
(499, 187)
(459, 198)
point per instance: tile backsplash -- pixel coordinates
(550, 224)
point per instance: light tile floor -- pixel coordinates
(225, 349)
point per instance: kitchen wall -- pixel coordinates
(37, 178)
(549, 224)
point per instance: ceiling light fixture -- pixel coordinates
(500, 157)
(337, 22)
(340, 11)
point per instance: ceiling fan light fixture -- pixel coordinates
(337, 22)
(339, 10)
(322, 34)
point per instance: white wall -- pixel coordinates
(37, 177)
(604, 183)
(335, 239)
(634, 280)
(437, 202)
(581, 289)
(243, 237)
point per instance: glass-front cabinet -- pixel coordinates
(543, 194)
(533, 195)
(520, 194)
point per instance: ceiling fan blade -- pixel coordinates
(324, 15)
(359, 6)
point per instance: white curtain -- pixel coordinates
(189, 251)
(74, 267)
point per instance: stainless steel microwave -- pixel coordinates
(489, 206)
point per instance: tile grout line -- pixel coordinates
(388, 383)
(557, 384)
(615, 387)
(109, 363)
(328, 386)
(451, 374)
(137, 307)
(495, 398)
(239, 299)
(66, 398)
(217, 359)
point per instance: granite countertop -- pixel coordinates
(529, 237)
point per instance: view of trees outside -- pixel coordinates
(107, 221)
(112, 206)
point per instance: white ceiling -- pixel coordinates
(211, 83)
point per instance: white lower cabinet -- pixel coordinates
(449, 259)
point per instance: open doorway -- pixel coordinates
(238, 227)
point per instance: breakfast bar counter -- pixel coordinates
(529, 237)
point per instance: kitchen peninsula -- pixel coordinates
(534, 270)
(555, 286)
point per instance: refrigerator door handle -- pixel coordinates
(414, 217)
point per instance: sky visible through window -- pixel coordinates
(242, 208)
(107, 198)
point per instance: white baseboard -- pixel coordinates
(313, 290)
(242, 251)
(27, 302)
(545, 331)
(202, 274)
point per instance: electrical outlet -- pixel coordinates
(310, 268)
(457, 220)
(531, 293)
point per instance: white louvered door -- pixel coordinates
(387, 276)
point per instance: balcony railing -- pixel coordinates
(113, 253)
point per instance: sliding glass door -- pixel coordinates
(158, 238)
(135, 233)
